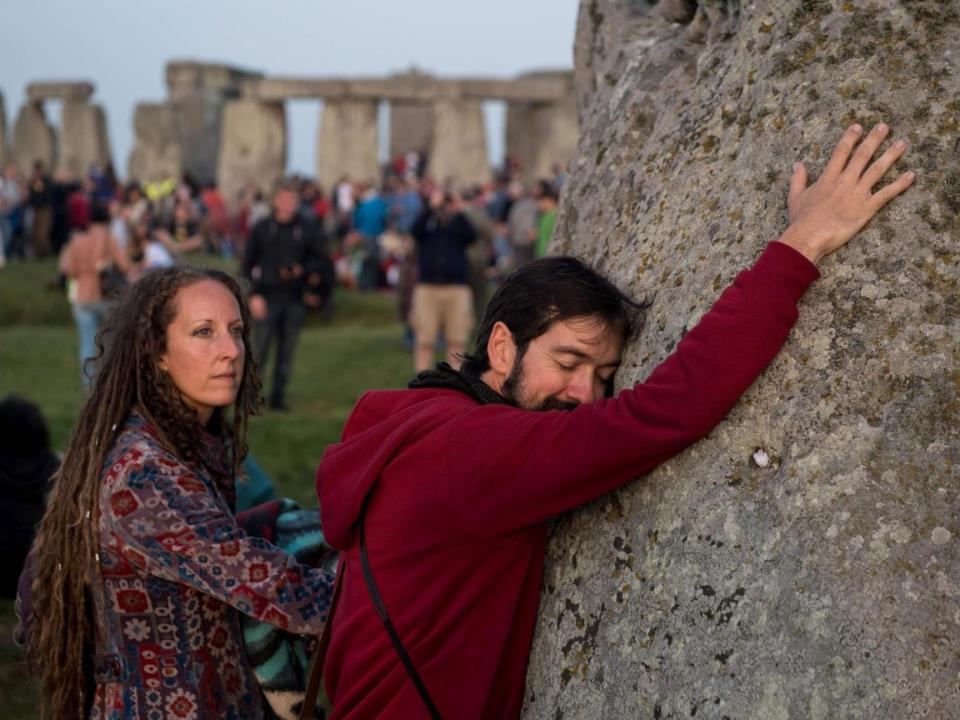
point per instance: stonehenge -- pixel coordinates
(229, 125)
(81, 140)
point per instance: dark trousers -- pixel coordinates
(283, 322)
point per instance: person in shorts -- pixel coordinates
(442, 299)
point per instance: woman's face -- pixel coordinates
(205, 353)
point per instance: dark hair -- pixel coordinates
(99, 214)
(23, 430)
(545, 291)
(545, 189)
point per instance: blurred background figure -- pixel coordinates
(369, 222)
(547, 206)
(522, 225)
(11, 200)
(41, 211)
(283, 262)
(95, 267)
(442, 300)
(26, 465)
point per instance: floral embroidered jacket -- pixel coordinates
(176, 570)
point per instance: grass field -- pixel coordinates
(362, 348)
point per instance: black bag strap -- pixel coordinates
(391, 631)
(308, 710)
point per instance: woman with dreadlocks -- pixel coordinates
(141, 569)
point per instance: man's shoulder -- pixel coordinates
(399, 407)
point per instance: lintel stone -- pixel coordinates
(422, 88)
(66, 90)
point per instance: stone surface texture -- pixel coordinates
(348, 142)
(156, 153)
(458, 150)
(825, 584)
(83, 137)
(253, 147)
(411, 127)
(33, 139)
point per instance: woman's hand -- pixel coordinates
(824, 216)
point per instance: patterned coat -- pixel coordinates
(176, 570)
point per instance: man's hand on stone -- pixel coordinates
(825, 215)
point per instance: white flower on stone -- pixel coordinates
(761, 458)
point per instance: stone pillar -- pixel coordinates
(4, 151)
(411, 127)
(156, 153)
(348, 142)
(33, 139)
(253, 147)
(197, 94)
(459, 148)
(83, 137)
(541, 134)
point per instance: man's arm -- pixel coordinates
(508, 468)
(251, 261)
(419, 228)
(463, 229)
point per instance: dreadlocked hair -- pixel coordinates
(128, 379)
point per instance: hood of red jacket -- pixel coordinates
(382, 423)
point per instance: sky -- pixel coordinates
(122, 47)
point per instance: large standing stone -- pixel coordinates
(254, 146)
(33, 139)
(4, 150)
(411, 127)
(197, 94)
(824, 582)
(156, 153)
(540, 135)
(459, 148)
(348, 142)
(83, 137)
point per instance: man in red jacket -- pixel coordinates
(438, 496)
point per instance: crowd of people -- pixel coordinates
(108, 233)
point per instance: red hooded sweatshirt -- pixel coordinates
(458, 495)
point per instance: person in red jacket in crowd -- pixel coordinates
(439, 495)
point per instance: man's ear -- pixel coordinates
(501, 349)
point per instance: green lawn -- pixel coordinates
(360, 349)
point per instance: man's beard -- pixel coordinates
(512, 390)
